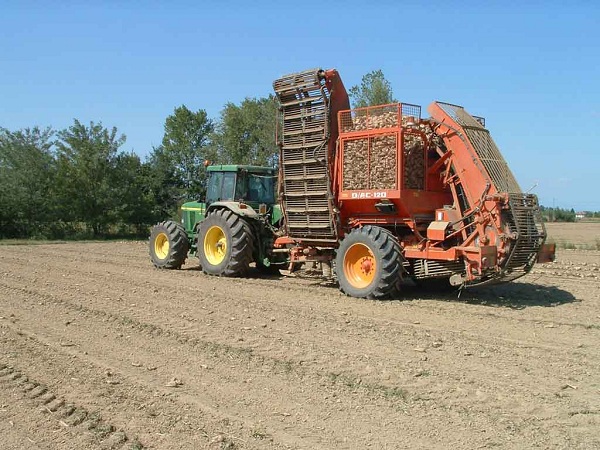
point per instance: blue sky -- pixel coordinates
(531, 68)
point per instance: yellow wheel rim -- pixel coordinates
(215, 245)
(161, 246)
(359, 265)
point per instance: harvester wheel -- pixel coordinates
(225, 244)
(168, 244)
(369, 263)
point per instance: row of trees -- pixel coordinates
(557, 214)
(56, 183)
(77, 182)
(565, 215)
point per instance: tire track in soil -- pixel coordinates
(380, 338)
(418, 331)
(343, 379)
(126, 281)
(102, 433)
(244, 360)
(362, 322)
(520, 342)
(460, 378)
(160, 418)
(301, 285)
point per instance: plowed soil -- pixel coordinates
(100, 350)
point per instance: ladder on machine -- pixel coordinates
(303, 133)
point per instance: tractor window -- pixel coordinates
(220, 186)
(228, 186)
(241, 187)
(261, 189)
(213, 189)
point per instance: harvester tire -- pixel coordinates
(369, 263)
(225, 244)
(168, 245)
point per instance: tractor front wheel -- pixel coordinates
(368, 263)
(225, 244)
(168, 245)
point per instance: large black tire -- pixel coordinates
(168, 245)
(368, 263)
(225, 244)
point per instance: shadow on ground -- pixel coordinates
(516, 295)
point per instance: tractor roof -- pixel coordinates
(236, 167)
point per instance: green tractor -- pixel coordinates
(233, 227)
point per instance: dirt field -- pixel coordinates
(584, 235)
(100, 350)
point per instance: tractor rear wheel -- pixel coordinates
(225, 244)
(168, 244)
(369, 263)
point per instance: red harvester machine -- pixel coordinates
(388, 196)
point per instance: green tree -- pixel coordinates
(185, 147)
(87, 157)
(374, 89)
(246, 133)
(165, 187)
(135, 206)
(551, 214)
(174, 171)
(27, 171)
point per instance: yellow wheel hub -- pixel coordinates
(215, 245)
(359, 265)
(161, 246)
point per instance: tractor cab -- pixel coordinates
(242, 188)
(253, 185)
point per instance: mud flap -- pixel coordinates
(547, 253)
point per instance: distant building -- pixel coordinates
(580, 215)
